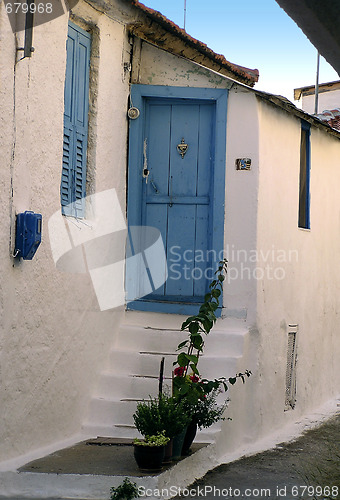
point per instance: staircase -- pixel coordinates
(143, 339)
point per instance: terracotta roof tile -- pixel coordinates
(251, 76)
(331, 117)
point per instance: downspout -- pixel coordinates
(29, 23)
(317, 83)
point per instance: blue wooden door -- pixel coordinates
(176, 192)
(179, 190)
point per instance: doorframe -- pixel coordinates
(139, 95)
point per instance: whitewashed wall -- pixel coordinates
(159, 67)
(241, 203)
(54, 338)
(308, 277)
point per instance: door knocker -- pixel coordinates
(182, 148)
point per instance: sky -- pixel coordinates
(252, 33)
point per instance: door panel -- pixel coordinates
(183, 171)
(181, 238)
(176, 194)
(202, 260)
(156, 216)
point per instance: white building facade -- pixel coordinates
(265, 197)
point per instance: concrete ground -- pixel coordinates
(98, 457)
(308, 467)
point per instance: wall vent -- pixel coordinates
(291, 368)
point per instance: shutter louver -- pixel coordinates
(79, 178)
(66, 174)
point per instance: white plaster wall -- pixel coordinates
(241, 203)
(306, 290)
(159, 67)
(54, 338)
(7, 135)
(327, 100)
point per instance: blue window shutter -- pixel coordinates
(76, 108)
(66, 174)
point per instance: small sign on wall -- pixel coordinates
(243, 163)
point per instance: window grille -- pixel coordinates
(291, 368)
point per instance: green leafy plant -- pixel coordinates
(126, 490)
(187, 381)
(159, 439)
(164, 413)
(207, 411)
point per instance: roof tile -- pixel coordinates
(250, 75)
(331, 117)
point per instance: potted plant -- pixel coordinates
(163, 414)
(204, 413)
(125, 491)
(149, 452)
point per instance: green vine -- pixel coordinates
(187, 381)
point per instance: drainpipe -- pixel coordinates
(317, 84)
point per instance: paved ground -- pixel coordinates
(306, 468)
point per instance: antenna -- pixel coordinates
(185, 13)
(317, 84)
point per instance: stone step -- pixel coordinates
(148, 363)
(143, 339)
(140, 362)
(133, 371)
(109, 412)
(130, 432)
(139, 338)
(113, 386)
(110, 431)
(117, 385)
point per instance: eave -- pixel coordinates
(163, 33)
(320, 21)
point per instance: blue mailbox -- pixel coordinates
(28, 234)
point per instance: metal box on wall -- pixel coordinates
(28, 234)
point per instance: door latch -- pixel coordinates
(146, 171)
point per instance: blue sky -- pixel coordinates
(252, 33)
